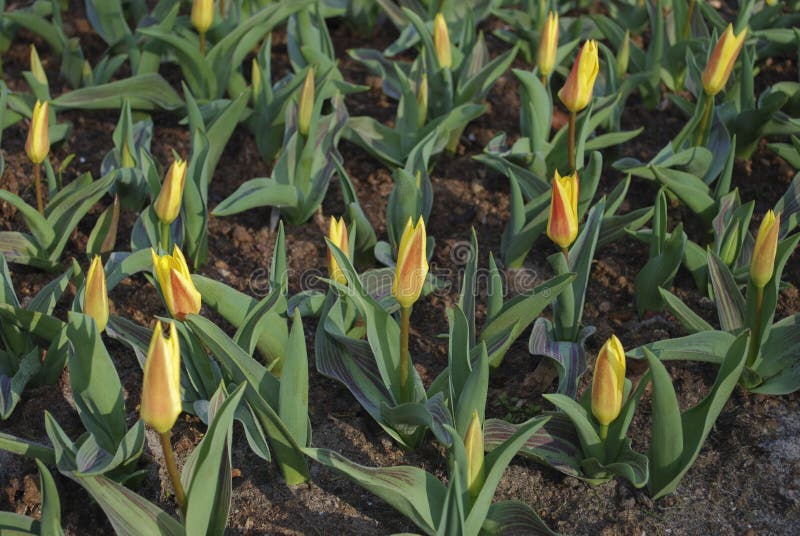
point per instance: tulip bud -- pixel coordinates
(202, 15)
(608, 382)
(168, 203)
(441, 42)
(172, 274)
(38, 143)
(337, 234)
(577, 91)
(624, 55)
(36, 67)
(161, 388)
(422, 101)
(720, 64)
(771, 2)
(548, 45)
(255, 78)
(95, 295)
(412, 264)
(562, 224)
(473, 443)
(762, 264)
(306, 105)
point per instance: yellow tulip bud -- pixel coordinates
(168, 203)
(161, 388)
(762, 264)
(38, 143)
(441, 42)
(608, 381)
(306, 106)
(175, 281)
(337, 234)
(95, 295)
(412, 264)
(577, 91)
(771, 2)
(36, 67)
(473, 444)
(720, 64)
(422, 101)
(548, 45)
(202, 15)
(255, 79)
(624, 55)
(562, 224)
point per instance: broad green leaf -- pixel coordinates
(293, 396)
(255, 193)
(146, 92)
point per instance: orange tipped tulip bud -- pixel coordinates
(422, 101)
(168, 202)
(306, 106)
(441, 42)
(161, 388)
(562, 224)
(176, 283)
(473, 444)
(608, 382)
(202, 15)
(412, 264)
(95, 295)
(762, 264)
(337, 234)
(577, 91)
(548, 45)
(38, 144)
(36, 67)
(720, 64)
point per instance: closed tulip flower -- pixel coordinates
(37, 146)
(161, 388)
(305, 107)
(720, 64)
(176, 284)
(548, 45)
(168, 202)
(337, 234)
(95, 294)
(562, 224)
(762, 264)
(202, 15)
(441, 42)
(412, 264)
(608, 382)
(473, 444)
(422, 101)
(577, 91)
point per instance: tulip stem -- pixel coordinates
(222, 8)
(172, 469)
(756, 329)
(565, 251)
(544, 80)
(572, 116)
(603, 432)
(701, 133)
(202, 43)
(37, 176)
(165, 237)
(687, 24)
(405, 321)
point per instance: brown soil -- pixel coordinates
(745, 481)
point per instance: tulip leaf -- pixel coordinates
(27, 448)
(690, 320)
(514, 517)
(258, 192)
(568, 357)
(39, 227)
(731, 307)
(706, 347)
(293, 394)
(147, 92)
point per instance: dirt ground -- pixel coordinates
(745, 481)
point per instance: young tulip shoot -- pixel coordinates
(175, 281)
(720, 64)
(95, 294)
(441, 42)
(548, 46)
(762, 263)
(202, 18)
(36, 67)
(608, 383)
(37, 146)
(306, 105)
(168, 203)
(562, 224)
(337, 234)
(473, 444)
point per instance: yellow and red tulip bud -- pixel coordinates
(720, 64)
(441, 42)
(473, 444)
(562, 224)
(337, 234)
(36, 67)
(762, 264)
(306, 105)
(202, 15)
(422, 101)
(176, 284)
(38, 143)
(548, 45)
(577, 91)
(624, 55)
(168, 203)
(95, 294)
(161, 388)
(412, 264)
(608, 382)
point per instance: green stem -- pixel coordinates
(37, 176)
(222, 8)
(172, 469)
(202, 43)
(687, 24)
(708, 107)
(165, 237)
(572, 116)
(603, 432)
(755, 329)
(565, 251)
(405, 322)
(544, 80)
